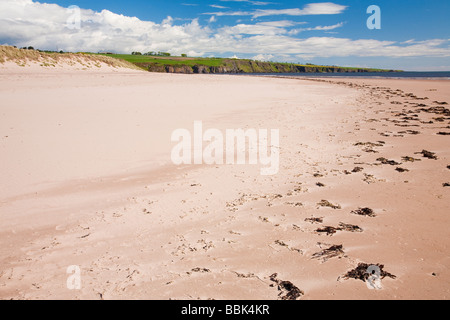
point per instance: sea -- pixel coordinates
(373, 75)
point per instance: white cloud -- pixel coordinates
(325, 8)
(310, 9)
(409, 41)
(217, 6)
(25, 23)
(255, 3)
(229, 13)
(433, 68)
(263, 57)
(281, 24)
(327, 28)
(252, 29)
(318, 28)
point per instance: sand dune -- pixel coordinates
(87, 180)
(13, 60)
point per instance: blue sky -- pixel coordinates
(414, 35)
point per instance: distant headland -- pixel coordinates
(164, 62)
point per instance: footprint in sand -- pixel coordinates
(294, 204)
(369, 179)
(282, 244)
(198, 270)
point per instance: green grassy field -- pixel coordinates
(210, 62)
(217, 65)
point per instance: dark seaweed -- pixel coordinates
(328, 230)
(390, 162)
(360, 272)
(326, 203)
(428, 154)
(314, 220)
(349, 227)
(364, 212)
(288, 291)
(331, 252)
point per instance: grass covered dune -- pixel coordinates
(24, 57)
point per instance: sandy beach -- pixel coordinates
(87, 180)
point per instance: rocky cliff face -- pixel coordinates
(245, 66)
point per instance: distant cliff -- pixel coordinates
(249, 66)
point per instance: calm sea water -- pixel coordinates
(392, 75)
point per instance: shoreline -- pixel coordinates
(221, 231)
(345, 76)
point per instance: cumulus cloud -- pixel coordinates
(44, 26)
(263, 57)
(24, 22)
